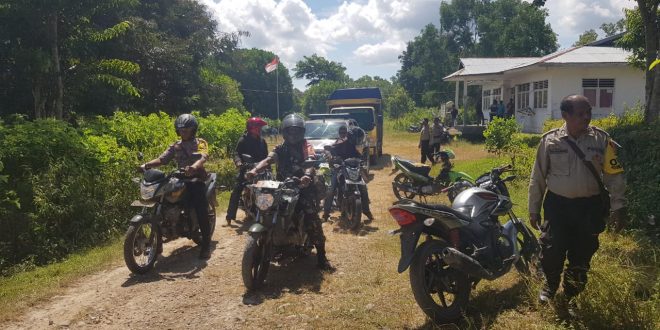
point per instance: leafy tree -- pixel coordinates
(588, 36)
(316, 69)
(514, 28)
(316, 96)
(458, 20)
(611, 29)
(426, 60)
(398, 102)
(642, 39)
(43, 41)
(258, 86)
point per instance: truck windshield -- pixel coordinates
(322, 130)
(364, 116)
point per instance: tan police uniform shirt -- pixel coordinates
(559, 169)
(185, 152)
(424, 134)
(436, 134)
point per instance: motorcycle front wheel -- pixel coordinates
(442, 292)
(402, 179)
(141, 247)
(529, 262)
(256, 262)
(354, 212)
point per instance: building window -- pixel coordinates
(600, 92)
(540, 94)
(497, 94)
(522, 96)
(485, 100)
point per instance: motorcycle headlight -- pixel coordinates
(264, 201)
(148, 191)
(353, 174)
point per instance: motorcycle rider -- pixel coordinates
(190, 154)
(289, 157)
(344, 148)
(446, 164)
(251, 143)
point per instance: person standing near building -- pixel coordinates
(425, 141)
(510, 108)
(454, 115)
(573, 166)
(437, 133)
(493, 110)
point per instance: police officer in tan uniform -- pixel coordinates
(190, 154)
(571, 197)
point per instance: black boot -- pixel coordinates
(323, 261)
(205, 249)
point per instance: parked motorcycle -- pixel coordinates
(165, 216)
(464, 244)
(414, 180)
(347, 194)
(278, 227)
(414, 129)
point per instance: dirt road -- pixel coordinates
(184, 292)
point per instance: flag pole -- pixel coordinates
(277, 86)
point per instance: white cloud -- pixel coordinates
(381, 53)
(372, 32)
(570, 18)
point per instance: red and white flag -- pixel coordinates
(272, 66)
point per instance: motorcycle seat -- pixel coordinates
(445, 208)
(420, 169)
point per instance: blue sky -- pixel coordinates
(367, 36)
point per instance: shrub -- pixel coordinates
(62, 188)
(414, 118)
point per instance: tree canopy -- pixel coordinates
(62, 57)
(316, 68)
(471, 28)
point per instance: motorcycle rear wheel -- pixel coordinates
(442, 292)
(400, 193)
(141, 247)
(255, 263)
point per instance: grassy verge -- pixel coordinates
(24, 289)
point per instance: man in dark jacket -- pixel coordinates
(290, 157)
(251, 143)
(344, 148)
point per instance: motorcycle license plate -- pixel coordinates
(141, 203)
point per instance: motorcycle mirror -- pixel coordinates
(140, 155)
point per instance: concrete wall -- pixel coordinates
(563, 81)
(628, 87)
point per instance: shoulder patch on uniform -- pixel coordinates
(611, 164)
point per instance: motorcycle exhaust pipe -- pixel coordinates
(406, 188)
(462, 262)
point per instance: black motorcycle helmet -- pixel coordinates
(293, 128)
(355, 136)
(184, 121)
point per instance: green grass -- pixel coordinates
(26, 288)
